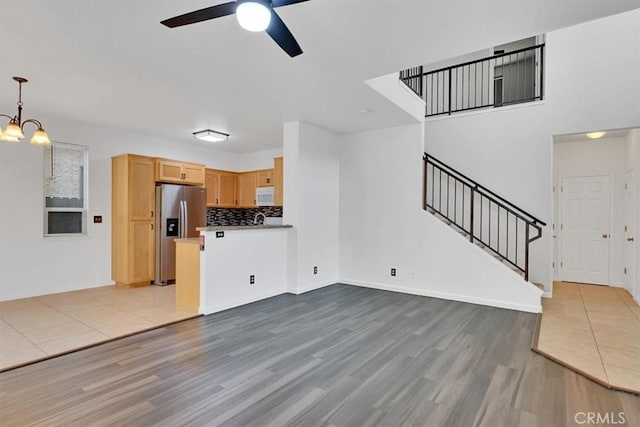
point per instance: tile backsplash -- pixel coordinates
(239, 216)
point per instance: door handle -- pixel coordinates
(605, 235)
(630, 239)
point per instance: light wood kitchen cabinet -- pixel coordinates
(188, 273)
(264, 178)
(247, 189)
(278, 181)
(132, 220)
(227, 184)
(174, 172)
(221, 188)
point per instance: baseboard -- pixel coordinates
(446, 296)
(206, 310)
(312, 287)
(547, 294)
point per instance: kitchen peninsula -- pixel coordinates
(238, 265)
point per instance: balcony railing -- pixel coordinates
(498, 80)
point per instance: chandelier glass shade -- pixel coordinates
(14, 132)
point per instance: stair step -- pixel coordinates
(539, 285)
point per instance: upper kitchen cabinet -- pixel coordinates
(175, 172)
(141, 186)
(278, 181)
(264, 178)
(221, 188)
(247, 183)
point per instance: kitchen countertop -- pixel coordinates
(195, 240)
(242, 227)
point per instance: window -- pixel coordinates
(65, 189)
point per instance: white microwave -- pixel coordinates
(264, 196)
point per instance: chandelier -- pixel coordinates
(14, 130)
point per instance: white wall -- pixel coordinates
(227, 263)
(399, 93)
(32, 265)
(509, 150)
(588, 157)
(255, 161)
(311, 190)
(383, 226)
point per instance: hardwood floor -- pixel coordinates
(341, 355)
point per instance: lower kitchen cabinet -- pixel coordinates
(142, 256)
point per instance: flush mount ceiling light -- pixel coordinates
(253, 15)
(14, 130)
(211, 135)
(596, 135)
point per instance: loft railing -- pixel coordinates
(498, 80)
(413, 78)
(486, 218)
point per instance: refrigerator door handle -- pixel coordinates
(181, 220)
(186, 220)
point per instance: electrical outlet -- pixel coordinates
(315, 269)
(252, 279)
(97, 219)
(393, 272)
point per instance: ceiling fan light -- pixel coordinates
(13, 131)
(253, 15)
(40, 137)
(596, 135)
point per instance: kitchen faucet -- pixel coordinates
(255, 219)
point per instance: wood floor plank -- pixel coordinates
(341, 355)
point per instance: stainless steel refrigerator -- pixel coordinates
(179, 210)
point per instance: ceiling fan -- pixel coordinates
(253, 15)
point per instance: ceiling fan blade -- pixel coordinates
(205, 14)
(278, 3)
(281, 35)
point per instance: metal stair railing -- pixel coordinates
(489, 220)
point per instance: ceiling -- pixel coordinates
(582, 137)
(112, 63)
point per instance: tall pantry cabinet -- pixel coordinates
(132, 233)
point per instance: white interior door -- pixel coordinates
(584, 229)
(629, 228)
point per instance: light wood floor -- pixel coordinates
(39, 327)
(595, 330)
(341, 355)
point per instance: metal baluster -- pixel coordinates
(518, 76)
(440, 192)
(455, 200)
(507, 238)
(437, 93)
(449, 91)
(541, 72)
(471, 226)
(425, 169)
(526, 254)
(517, 232)
(498, 250)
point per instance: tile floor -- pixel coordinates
(39, 327)
(594, 329)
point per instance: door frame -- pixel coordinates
(630, 197)
(559, 232)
